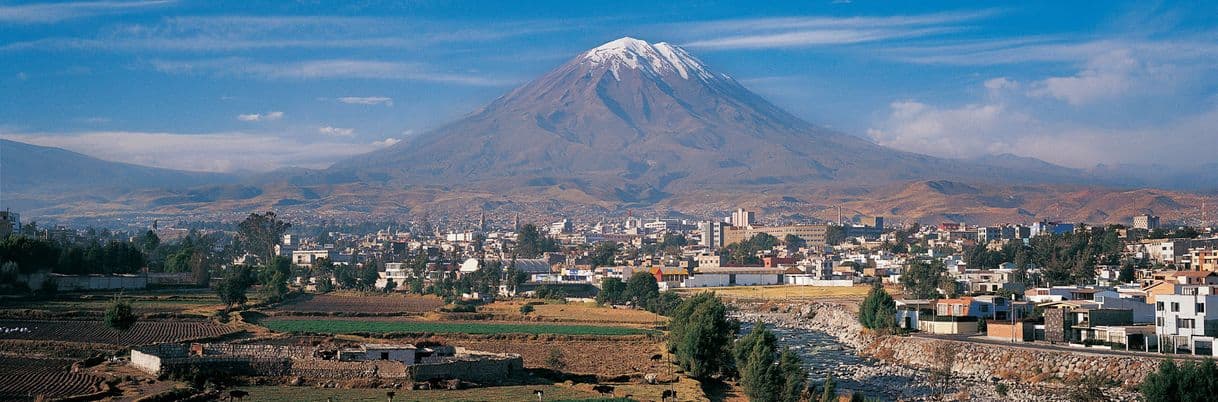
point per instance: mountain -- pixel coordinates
(27, 168)
(634, 121)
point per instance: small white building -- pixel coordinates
(1188, 320)
(379, 351)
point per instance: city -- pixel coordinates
(567, 201)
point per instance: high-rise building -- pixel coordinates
(742, 218)
(1146, 222)
(712, 234)
(10, 222)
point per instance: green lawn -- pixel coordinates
(326, 326)
(512, 393)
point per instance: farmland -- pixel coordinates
(92, 331)
(512, 393)
(141, 304)
(363, 304)
(24, 379)
(574, 312)
(339, 326)
(582, 354)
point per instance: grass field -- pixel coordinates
(785, 292)
(325, 326)
(512, 393)
(575, 312)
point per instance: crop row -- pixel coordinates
(364, 304)
(93, 331)
(373, 326)
(25, 379)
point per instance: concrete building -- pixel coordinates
(10, 223)
(814, 235)
(1203, 259)
(712, 234)
(1146, 222)
(1188, 321)
(742, 218)
(306, 258)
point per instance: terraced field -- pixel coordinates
(95, 331)
(23, 379)
(512, 393)
(348, 326)
(363, 303)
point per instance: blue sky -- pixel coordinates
(256, 85)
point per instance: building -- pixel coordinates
(1203, 259)
(1188, 320)
(908, 312)
(10, 223)
(736, 276)
(712, 234)
(814, 235)
(1146, 222)
(306, 258)
(742, 218)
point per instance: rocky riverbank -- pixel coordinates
(832, 343)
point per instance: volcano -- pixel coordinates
(636, 117)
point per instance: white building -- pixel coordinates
(1188, 320)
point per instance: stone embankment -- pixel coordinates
(976, 369)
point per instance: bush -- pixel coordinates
(526, 309)
(119, 315)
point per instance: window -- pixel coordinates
(1159, 306)
(1186, 323)
(1175, 307)
(1159, 321)
(1200, 307)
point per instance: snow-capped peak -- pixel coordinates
(659, 59)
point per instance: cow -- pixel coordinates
(540, 394)
(668, 393)
(651, 378)
(657, 357)
(603, 389)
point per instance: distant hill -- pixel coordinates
(27, 168)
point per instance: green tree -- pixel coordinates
(604, 253)
(1127, 273)
(233, 286)
(526, 309)
(119, 314)
(828, 390)
(878, 310)
(1186, 382)
(794, 242)
(765, 374)
(530, 243)
(641, 290)
(612, 291)
(922, 279)
(259, 233)
(700, 336)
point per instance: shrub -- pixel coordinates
(526, 309)
(119, 315)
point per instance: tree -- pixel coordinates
(700, 336)
(794, 242)
(119, 314)
(530, 243)
(604, 253)
(259, 233)
(922, 279)
(878, 310)
(829, 390)
(666, 303)
(1127, 273)
(526, 309)
(641, 290)
(233, 286)
(390, 285)
(765, 374)
(745, 252)
(1187, 382)
(612, 291)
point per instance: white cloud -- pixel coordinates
(964, 132)
(786, 32)
(252, 117)
(213, 152)
(325, 69)
(1000, 83)
(1107, 76)
(337, 131)
(44, 13)
(388, 142)
(367, 100)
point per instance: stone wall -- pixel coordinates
(1012, 362)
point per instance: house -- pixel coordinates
(306, 258)
(908, 312)
(737, 276)
(1188, 319)
(1171, 282)
(1074, 322)
(953, 316)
